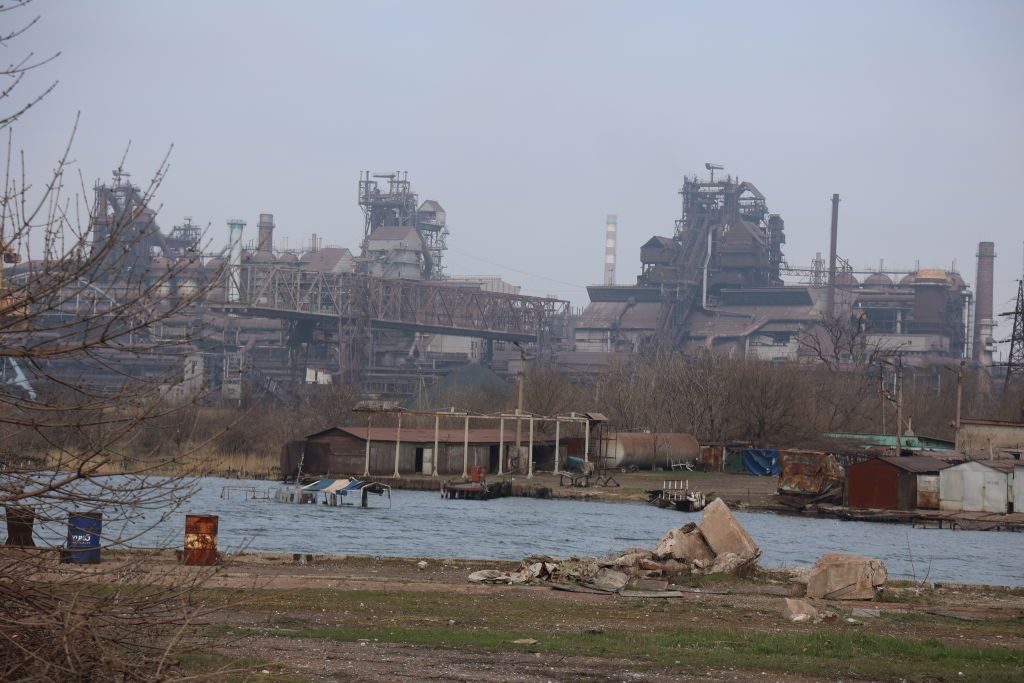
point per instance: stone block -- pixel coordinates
(724, 534)
(837, 576)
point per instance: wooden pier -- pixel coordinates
(925, 519)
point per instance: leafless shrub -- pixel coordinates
(77, 315)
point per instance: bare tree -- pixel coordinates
(81, 317)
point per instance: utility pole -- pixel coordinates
(899, 405)
(881, 393)
(519, 404)
(1015, 362)
(959, 397)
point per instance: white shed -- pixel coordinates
(977, 486)
(1018, 486)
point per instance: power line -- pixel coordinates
(516, 270)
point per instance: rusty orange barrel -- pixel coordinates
(476, 473)
(200, 539)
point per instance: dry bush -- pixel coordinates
(79, 318)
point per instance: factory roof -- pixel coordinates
(918, 464)
(326, 259)
(387, 233)
(446, 435)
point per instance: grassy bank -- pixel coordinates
(667, 635)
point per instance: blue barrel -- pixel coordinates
(83, 538)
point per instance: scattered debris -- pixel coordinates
(837, 576)
(525, 641)
(865, 612)
(421, 565)
(610, 580)
(684, 551)
(799, 610)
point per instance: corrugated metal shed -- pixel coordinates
(977, 486)
(888, 483)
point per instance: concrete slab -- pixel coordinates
(724, 533)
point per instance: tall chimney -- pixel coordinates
(831, 296)
(983, 320)
(266, 233)
(235, 227)
(611, 226)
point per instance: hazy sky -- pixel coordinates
(530, 122)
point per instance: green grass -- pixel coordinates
(832, 654)
(647, 632)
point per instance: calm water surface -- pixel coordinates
(423, 524)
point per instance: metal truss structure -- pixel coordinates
(274, 291)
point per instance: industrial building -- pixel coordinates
(344, 450)
(718, 283)
(387, 313)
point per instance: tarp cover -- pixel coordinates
(762, 461)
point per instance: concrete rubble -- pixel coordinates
(799, 610)
(837, 576)
(688, 550)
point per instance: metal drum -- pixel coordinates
(200, 539)
(83, 546)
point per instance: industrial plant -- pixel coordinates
(388, 314)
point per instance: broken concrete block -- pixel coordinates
(627, 560)
(837, 576)
(724, 533)
(650, 565)
(663, 550)
(691, 546)
(865, 613)
(609, 580)
(674, 566)
(799, 610)
(729, 563)
(489, 576)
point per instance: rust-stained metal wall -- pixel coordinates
(712, 458)
(928, 491)
(808, 472)
(880, 485)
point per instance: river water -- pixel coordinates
(423, 524)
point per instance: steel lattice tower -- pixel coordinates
(1015, 363)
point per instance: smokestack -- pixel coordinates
(235, 227)
(611, 226)
(266, 233)
(831, 300)
(983, 320)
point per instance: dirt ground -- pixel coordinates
(371, 619)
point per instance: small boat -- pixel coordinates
(334, 493)
(675, 493)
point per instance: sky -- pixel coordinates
(530, 121)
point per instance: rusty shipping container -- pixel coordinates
(200, 539)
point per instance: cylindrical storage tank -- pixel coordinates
(83, 545)
(19, 525)
(200, 539)
(647, 450)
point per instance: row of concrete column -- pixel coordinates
(465, 443)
